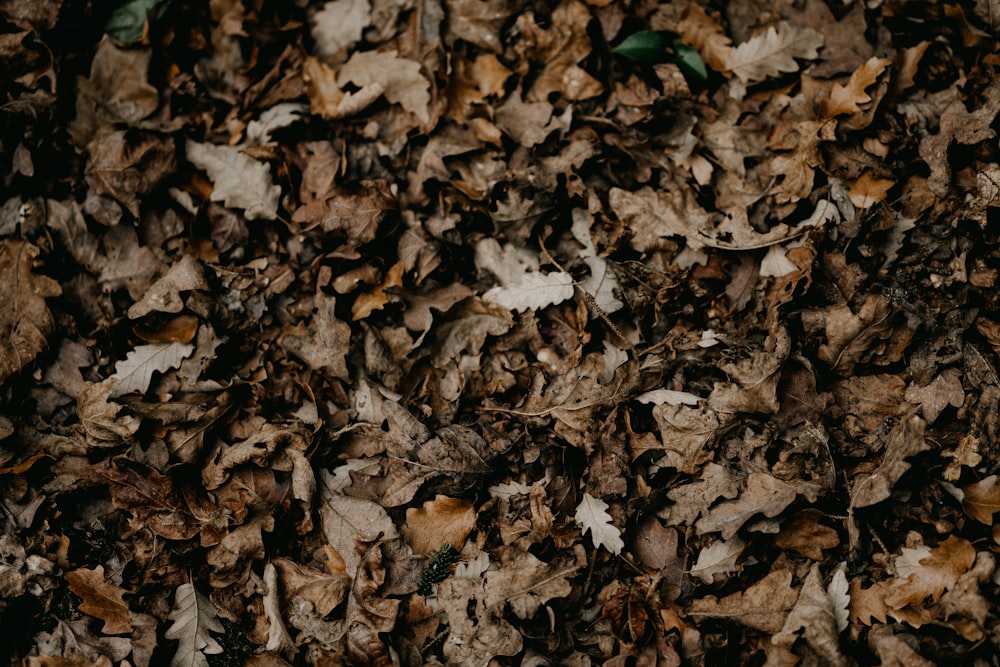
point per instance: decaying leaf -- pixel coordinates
(717, 558)
(926, 573)
(25, 320)
(764, 606)
(339, 24)
(399, 78)
(821, 614)
(905, 440)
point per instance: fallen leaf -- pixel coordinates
(194, 618)
(706, 36)
(25, 320)
(339, 25)
(764, 494)
(323, 344)
(764, 605)
(592, 515)
(773, 52)
(846, 99)
(135, 371)
(240, 181)
(165, 295)
(717, 558)
(905, 440)
(440, 521)
(867, 190)
(935, 571)
(816, 613)
(981, 500)
(400, 79)
(100, 599)
(524, 583)
(803, 533)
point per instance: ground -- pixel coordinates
(468, 332)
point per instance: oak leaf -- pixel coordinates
(194, 619)
(100, 599)
(764, 494)
(706, 36)
(440, 521)
(592, 515)
(25, 320)
(324, 343)
(400, 79)
(240, 181)
(934, 571)
(165, 294)
(339, 25)
(522, 285)
(982, 499)
(867, 190)
(821, 613)
(845, 99)
(763, 606)
(804, 534)
(135, 371)
(717, 558)
(524, 583)
(905, 440)
(773, 52)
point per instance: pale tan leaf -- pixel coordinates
(400, 79)
(763, 606)
(240, 181)
(717, 558)
(867, 190)
(816, 616)
(135, 371)
(194, 619)
(773, 52)
(592, 515)
(339, 25)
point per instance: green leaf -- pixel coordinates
(127, 22)
(690, 62)
(647, 46)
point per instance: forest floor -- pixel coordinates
(468, 332)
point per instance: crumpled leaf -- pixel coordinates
(845, 99)
(324, 343)
(773, 52)
(240, 181)
(25, 320)
(135, 371)
(522, 286)
(400, 79)
(101, 599)
(127, 166)
(165, 295)
(524, 583)
(592, 515)
(764, 494)
(194, 619)
(474, 638)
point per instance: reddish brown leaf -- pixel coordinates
(101, 599)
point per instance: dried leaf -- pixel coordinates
(936, 570)
(25, 320)
(773, 52)
(135, 371)
(717, 558)
(165, 294)
(524, 583)
(194, 618)
(815, 614)
(763, 606)
(240, 181)
(981, 500)
(324, 343)
(339, 25)
(866, 190)
(804, 534)
(847, 99)
(440, 521)
(905, 440)
(702, 32)
(764, 494)
(400, 79)
(100, 599)
(592, 515)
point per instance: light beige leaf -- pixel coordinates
(668, 396)
(400, 78)
(339, 25)
(717, 558)
(194, 618)
(135, 371)
(240, 181)
(524, 583)
(774, 52)
(534, 291)
(592, 515)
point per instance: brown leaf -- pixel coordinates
(325, 590)
(905, 440)
(763, 606)
(525, 583)
(816, 614)
(440, 521)
(706, 36)
(558, 49)
(25, 320)
(934, 573)
(867, 190)
(847, 98)
(803, 533)
(164, 296)
(764, 494)
(324, 343)
(354, 210)
(982, 499)
(127, 166)
(101, 599)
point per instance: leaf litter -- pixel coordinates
(369, 333)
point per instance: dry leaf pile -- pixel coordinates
(384, 332)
